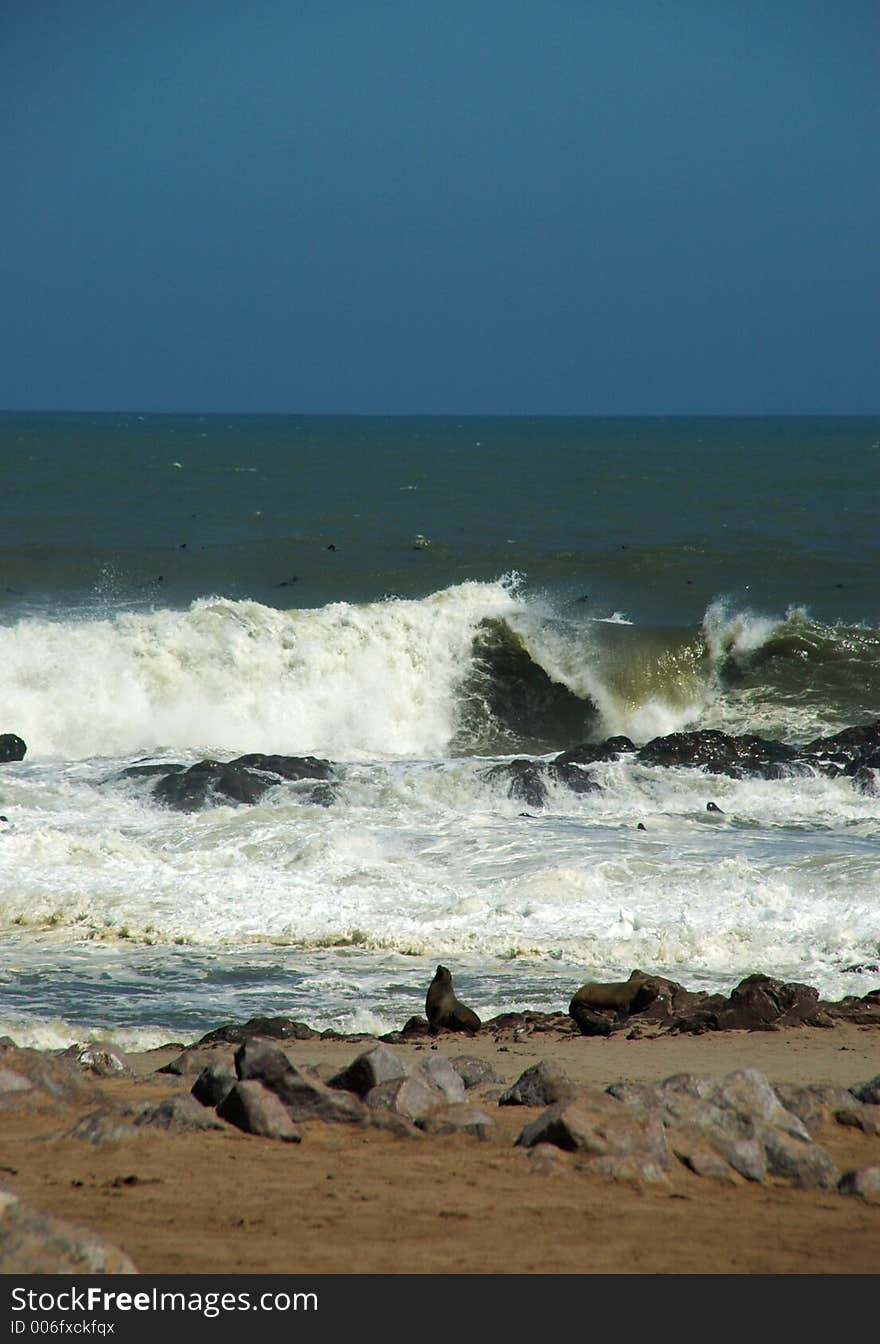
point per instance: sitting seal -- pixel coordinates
(443, 1009)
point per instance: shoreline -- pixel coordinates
(350, 1199)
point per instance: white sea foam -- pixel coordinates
(343, 680)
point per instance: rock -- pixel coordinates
(442, 1075)
(589, 1021)
(209, 782)
(474, 1072)
(374, 1066)
(459, 1118)
(865, 1182)
(545, 1159)
(691, 1146)
(868, 1092)
(597, 1126)
(757, 1003)
(414, 1028)
(541, 1085)
(720, 753)
(306, 1098)
(800, 1161)
(34, 1243)
(214, 1083)
(11, 1082)
(636, 1168)
(589, 753)
(180, 1113)
(252, 1108)
(286, 767)
(102, 1058)
(194, 1058)
(410, 1097)
(268, 1028)
(524, 780)
(816, 1105)
(12, 748)
(55, 1076)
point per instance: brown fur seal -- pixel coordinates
(624, 996)
(443, 1009)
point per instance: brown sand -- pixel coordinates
(348, 1200)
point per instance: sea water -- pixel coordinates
(417, 600)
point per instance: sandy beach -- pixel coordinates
(353, 1199)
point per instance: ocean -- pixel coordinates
(417, 601)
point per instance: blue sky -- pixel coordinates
(558, 207)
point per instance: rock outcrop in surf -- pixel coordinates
(243, 780)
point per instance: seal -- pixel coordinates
(624, 996)
(443, 1009)
(713, 807)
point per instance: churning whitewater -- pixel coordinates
(414, 702)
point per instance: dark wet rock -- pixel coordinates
(524, 780)
(209, 782)
(519, 1026)
(150, 769)
(268, 1028)
(374, 1066)
(286, 767)
(474, 1072)
(213, 1084)
(868, 1092)
(242, 780)
(253, 1108)
(721, 753)
(844, 752)
(590, 753)
(12, 748)
(866, 776)
(865, 1183)
(322, 795)
(414, 1029)
(860, 1012)
(34, 1243)
(458, 1118)
(573, 776)
(759, 1002)
(305, 1096)
(410, 1097)
(541, 1085)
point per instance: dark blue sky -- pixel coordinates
(435, 206)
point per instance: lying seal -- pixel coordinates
(443, 1009)
(624, 996)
